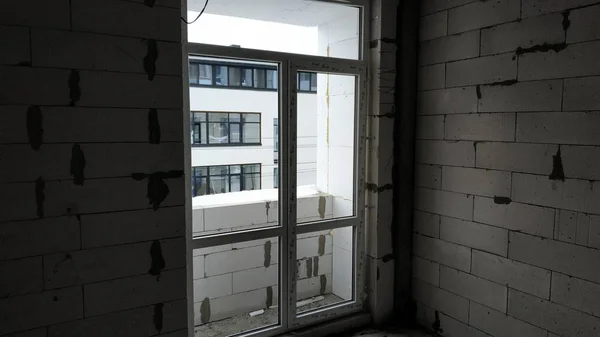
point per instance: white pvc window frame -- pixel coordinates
(287, 228)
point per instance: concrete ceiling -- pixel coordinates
(294, 12)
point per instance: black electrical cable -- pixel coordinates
(199, 15)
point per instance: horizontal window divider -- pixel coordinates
(237, 237)
(311, 227)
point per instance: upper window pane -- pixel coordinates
(260, 79)
(318, 28)
(221, 75)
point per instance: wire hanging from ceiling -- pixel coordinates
(199, 15)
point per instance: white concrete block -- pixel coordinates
(430, 127)
(65, 49)
(539, 7)
(122, 90)
(583, 229)
(565, 228)
(89, 125)
(575, 60)
(379, 284)
(521, 276)
(584, 24)
(550, 316)
(429, 176)
(475, 235)
(314, 286)
(307, 209)
(254, 214)
(482, 14)
(576, 195)
(314, 246)
(21, 276)
(474, 288)
(447, 101)
(581, 94)
(522, 34)
(476, 181)
(441, 300)
(237, 304)
(106, 263)
(445, 153)
(554, 255)
(426, 271)
(530, 158)
(198, 266)
(213, 287)
(498, 126)
(594, 234)
(36, 13)
(252, 279)
(523, 96)
(98, 230)
(240, 259)
(132, 292)
(15, 49)
(431, 6)
(432, 77)
(342, 277)
(40, 309)
(343, 238)
(482, 70)
(449, 48)
(577, 128)
(34, 86)
(130, 323)
(576, 293)
(53, 161)
(426, 224)
(150, 23)
(38, 237)
(445, 253)
(433, 26)
(452, 204)
(514, 216)
(454, 328)
(318, 265)
(499, 324)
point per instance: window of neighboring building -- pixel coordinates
(224, 179)
(276, 177)
(225, 128)
(244, 76)
(275, 140)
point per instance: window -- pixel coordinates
(245, 76)
(225, 128)
(275, 140)
(276, 178)
(307, 82)
(224, 179)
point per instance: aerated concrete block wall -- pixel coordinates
(92, 221)
(507, 203)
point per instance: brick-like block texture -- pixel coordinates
(507, 194)
(86, 249)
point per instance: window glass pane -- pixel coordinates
(275, 140)
(218, 170)
(313, 82)
(234, 133)
(272, 79)
(199, 117)
(235, 118)
(221, 75)
(304, 81)
(193, 73)
(252, 118)
(205, 74)
(254, 168)
(235, 169)
(217, 133)
(218, 117)
(199, 187)
(251, 133)
(196, 134)
(276, 178)
(251, 182)
(260, 78)
(219, 184)
(236, 184)
(246, 77)
(234, 77)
